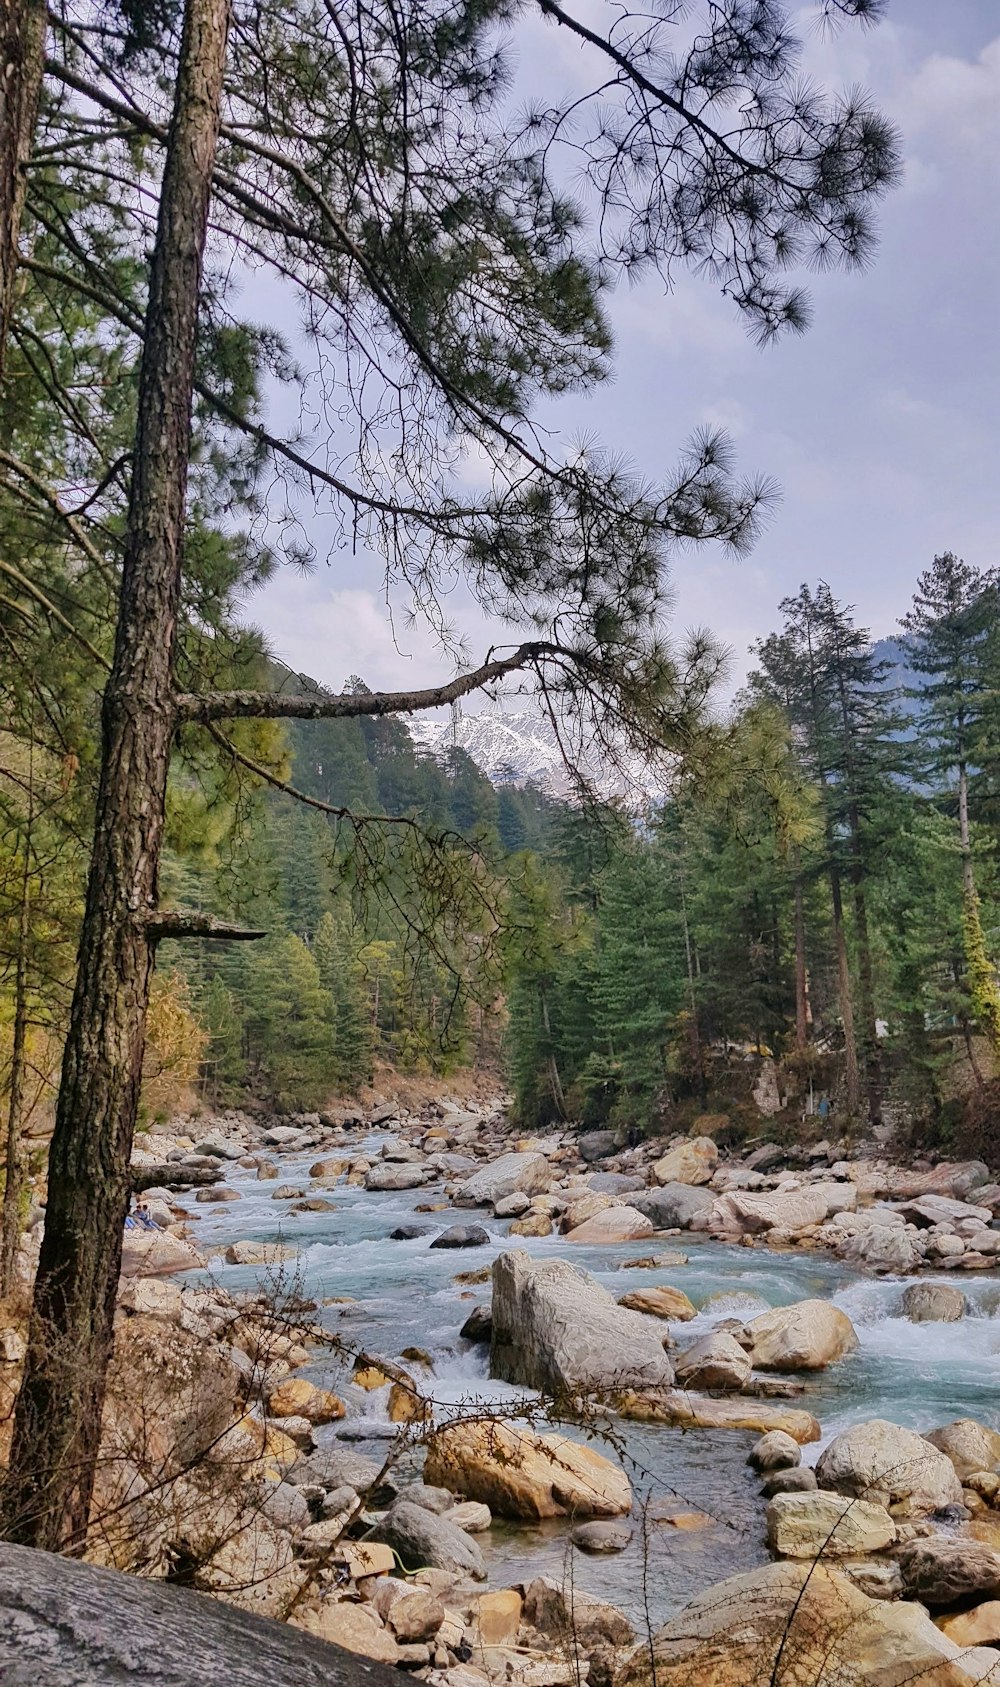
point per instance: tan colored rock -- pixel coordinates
(978, 1627)
(407, 1405)
(882, 1462)
(257, 1253)
(716, 1361)
(663, 1302)
(797, 1625)
(969, 1445)
(692, 1411)
(584, 1207)
(691, 1162)
(295, 1397)
(495, 1617)
(818, 1525)
(614, 1224)
(807, 1336)
(532, 1224)
(789, 1210)
(351, 1626)
(370, 1377)
(520, 1474)
(417, 1616)
(156, 1253)
(328, 1168)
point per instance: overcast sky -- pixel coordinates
(880, 425)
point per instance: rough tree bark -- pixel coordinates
(22, 63)
(10, 1224)
(58, 1414)
(801, 969)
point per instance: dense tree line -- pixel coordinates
(842, 915)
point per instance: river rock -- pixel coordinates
(613, 1225)
(257, 1253)
(421, 1538)
(801, 1480)
(601, 1537)
(933, 1303)
(691, 1162)
(943, 1570)
(716, 1361)
(818, 1525)
(597, 1145)
(332, 1467)
(969, 1445)
(408, 1232)
(555, 1328)
(155, 1253)
(532, 1224)
(674, 1206)
(582, 1207)
(512, 1206)
(462, 1236)
(615, 1183)
(699, 1411)
(806, 1336)
(154, 1297)
(520, 1474)
(471, 1515)
(978, 1627)
(776, 1451)
(295, 1397)
(882, 1462)
(884, 1248)
(941, 1209)
(390, 1174)
(478, 1325)
(663, 1302)
(512, 1174)
(566, 1613)
(796, 1625)
(791, 1210)
(950, 1178)
(355, 1627)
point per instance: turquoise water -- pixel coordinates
(403, 1294)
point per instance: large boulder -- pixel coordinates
(420, 1538)
(884, 1248)
(296, 1397)
(556, 1329)
(745, 1214)
(568, 1614)
(611, 1225)
(597, 1145)
(941, 1209)
(818, 1525)
(156, 1253)
(806, 1336)
(520, 1474)
(512, 1174)
(933, 1303)
(716, 1361)
(894, 1467)
(945, 1570)
(797, 1625)
(690, 1162)
(950, 1178)
(390, 1175)
(774, 1451)
(969, 1445)
(674, 1206)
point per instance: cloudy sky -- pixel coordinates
(880, 425)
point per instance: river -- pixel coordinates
(403, 1294)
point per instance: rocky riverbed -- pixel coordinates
(567, 1351)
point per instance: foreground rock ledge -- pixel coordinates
(66, 1624)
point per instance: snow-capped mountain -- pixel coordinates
(522, 747)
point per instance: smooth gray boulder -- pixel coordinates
(597, 1145)
(421, 1539)
(557, 1329)
(395, 1174)
(512, 1174)
(67, 1624)
(674, 1206)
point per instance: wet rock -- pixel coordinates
(691, 1162)
(716, 1361)
(555, 1328)
(520, 1474)
(526, 1174)
(328, 1168)
(806, 1336)
(933, 1303)
(257, 1253)
(674, 1206)
(798, 1481)
(462, 1236)
(601, 1537)
(882, 1462)
(942, 1571)
(814, 1525)
(775, 1451)
(471, 1515)
(409, 1232)
(662, 1302)
(297, 1397)
(693, 1411)
(217, 1195)
(970, 1446)
(421, 1538)
(532, 1224)
(613, 1225)
(478, 1325)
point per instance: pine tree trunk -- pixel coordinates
(801, 974)
(10, 1225)
(866, 979)
(965, 840)
(844, 994)
(22, 46)
(58, 1414)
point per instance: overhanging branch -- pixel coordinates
(180, 922)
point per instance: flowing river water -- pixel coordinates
(403, 1294)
